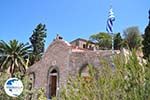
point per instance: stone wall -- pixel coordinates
(68, 62)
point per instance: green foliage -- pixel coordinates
(102, 39)
(146, 42)
(117, 41)
(132, 39)
(128, 81)
(13, 56)
(25, 80)
(41, 95)
(37, 40)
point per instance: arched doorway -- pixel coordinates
(84, 72)
(87, 71)
(53, 83)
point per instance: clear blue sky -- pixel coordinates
(71, 18)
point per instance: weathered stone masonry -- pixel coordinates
(62, 60)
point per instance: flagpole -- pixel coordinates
(112, 44)
(113, 52)
(109, 29)
(112, 35)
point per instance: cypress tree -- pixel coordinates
(37, 40)
(117, 41)
(146, 41)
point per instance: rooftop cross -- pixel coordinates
(58, 37)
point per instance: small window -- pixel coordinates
(84, 46)
(90, 46)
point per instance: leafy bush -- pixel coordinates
(26, 94)
(127, 81)
(25, 80)
(41, 95)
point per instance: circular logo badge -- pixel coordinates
(13, 87)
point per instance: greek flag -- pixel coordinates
(111, 18)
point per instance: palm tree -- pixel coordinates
(13, 56)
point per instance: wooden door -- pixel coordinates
(53, 85)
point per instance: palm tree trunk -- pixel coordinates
(11, 71)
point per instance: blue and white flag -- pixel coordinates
(111, 18)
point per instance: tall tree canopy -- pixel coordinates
(117, 41)
(133, 38)
(102, 39)
(37, 40)
(146, 41)
(14, 56)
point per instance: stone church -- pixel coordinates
(61, 60)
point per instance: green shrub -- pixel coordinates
(25, 80)
(127, 81)
(41, 95)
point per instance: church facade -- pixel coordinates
(60, 61)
